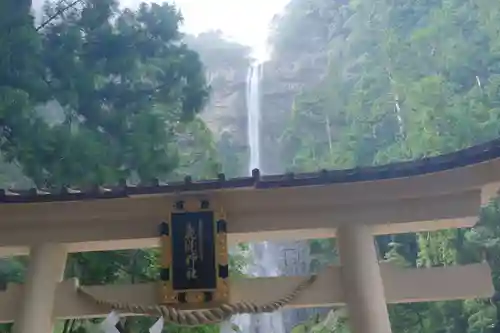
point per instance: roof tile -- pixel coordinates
(473, 155)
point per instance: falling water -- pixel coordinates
(253, 115)
(265, 255)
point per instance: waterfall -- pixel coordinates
(253, 115)
(265, 255)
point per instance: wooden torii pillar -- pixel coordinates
(45, 271)
(362, 281)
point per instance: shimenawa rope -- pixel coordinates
(201, 317)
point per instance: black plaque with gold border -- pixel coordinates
(194, 256)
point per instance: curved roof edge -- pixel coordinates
(466, 157)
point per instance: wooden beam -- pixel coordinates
(401, 286)
(133, 223)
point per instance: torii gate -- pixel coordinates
(353, 205)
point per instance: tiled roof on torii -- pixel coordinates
(462, 158)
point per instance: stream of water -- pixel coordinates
(265, 255)
(253, 115)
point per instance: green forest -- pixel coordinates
(93, 93)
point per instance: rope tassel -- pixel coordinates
(216, 315)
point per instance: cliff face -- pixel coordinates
(284, 78)
(226, 110)
(301, 39)
(226, 64)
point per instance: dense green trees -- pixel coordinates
(407, 79)
(96, 94)
(124, 82)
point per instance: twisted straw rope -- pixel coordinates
(201, 317)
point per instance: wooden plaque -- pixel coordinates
(194, 255)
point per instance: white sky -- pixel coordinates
(246, 21)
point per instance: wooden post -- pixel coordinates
(362, 281)
(45, 271)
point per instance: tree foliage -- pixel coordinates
(93, 95)
(406, 80)
(124, 81)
